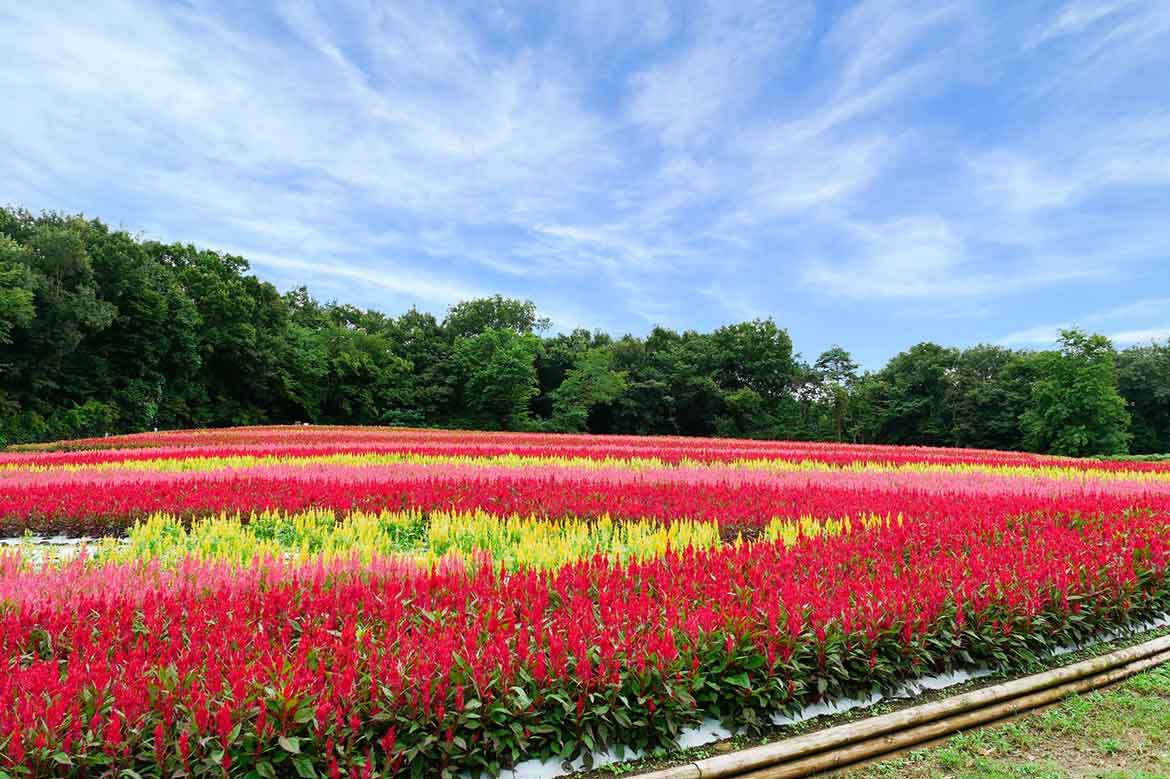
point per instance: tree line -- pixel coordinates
(103, 332)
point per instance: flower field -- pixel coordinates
(306, 601)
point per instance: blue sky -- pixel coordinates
(870, 174)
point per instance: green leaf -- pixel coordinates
(305, 768)
(290, 744)
(739, 680)
(265, 769)
(62, 759)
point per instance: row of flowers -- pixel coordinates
(427, 539)
(81, 503)
(281, 442)
(199, 460)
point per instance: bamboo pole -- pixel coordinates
(892, 742)
(802, 747)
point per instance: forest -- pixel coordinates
(103, 332)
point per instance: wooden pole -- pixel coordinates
(892, 742)
(803, 747)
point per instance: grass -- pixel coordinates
(1121, 733)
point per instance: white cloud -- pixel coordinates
(1080, 15)
(1064, 171)
(924, 257)
(1130, 311)
(1039, 335)
(645, 151)
(1128, 314)
(1142, 336)
(411, 286)
(876, 34)
(733, 52)
(1048, 335)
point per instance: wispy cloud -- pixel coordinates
(1105, 320)
(1142, 336)
(1133, 152)
(622, 163)
(924, 257)
(415, 287)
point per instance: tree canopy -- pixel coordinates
(104, 332)
(1076, 408)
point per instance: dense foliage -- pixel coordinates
(101, 332)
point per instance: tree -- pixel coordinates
(66, 303)
(557, 357)
(834, 375)
(1143, 379)
(242, 321)
(756, 355)
(16, 289)
(646, 406)
(143, 363)
(907, 399)
(40, 386)
(498, 367)
(419, 339)
(990, 387)
(688, 362)
(472, 317)
(590, 382)
(364, 380)
(1075, 407)
(745, 415)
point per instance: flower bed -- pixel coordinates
(425, 618)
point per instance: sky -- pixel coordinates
(868, 174)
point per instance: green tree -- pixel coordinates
(745, 415)
(559, 354)
(364, 381)
(646, 406)
(755, 356)
(498, 367)
(472, 317)
(242, 321)
(419, 339)
(144, 362)
(40, 384)
(590, 382)
(834, 375)
(689, 364)
(1075, 407)
(16, 289)
(990, 388)
(103, 331)
(1143, 379)
(906, 401)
